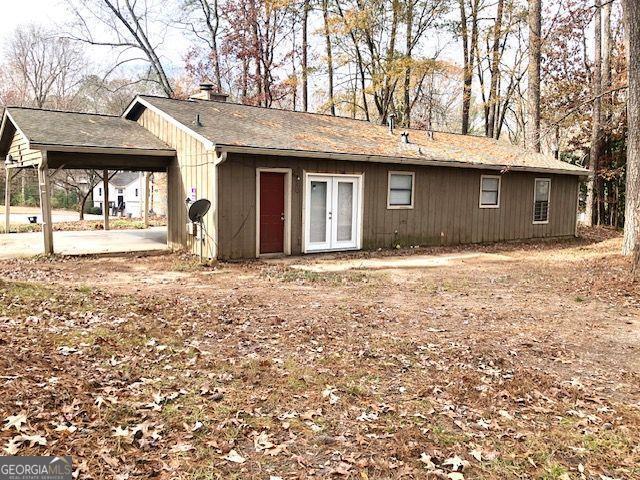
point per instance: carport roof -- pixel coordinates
(60, 130)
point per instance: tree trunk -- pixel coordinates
(245, 80)
(632, 208)
(607, 109)
(387, 93)
(257, 54)
(212, 20)
(466, 71)
(596, 89)
(469, 47)
(327, 37)
(83, 203)
(305, 48)
(495, 71)
(535, 17)
(406, 114)
(139, 33)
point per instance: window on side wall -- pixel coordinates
(541, 198)
(490, 191)
(400, 193)
(136, 192)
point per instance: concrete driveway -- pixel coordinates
(84, 242)
(20, 215)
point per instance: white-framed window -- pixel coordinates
(120, 191)
(490, 191)
(401, 186)
(541, 200)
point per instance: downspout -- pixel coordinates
(219, 157)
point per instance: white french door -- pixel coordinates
(332, 213)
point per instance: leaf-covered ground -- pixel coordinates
(156, 367)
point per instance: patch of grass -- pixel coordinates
(23, 291)
(554, 471)
(326, 278)
(606, 442)
(84, 289)
(445, 437)
(114, 414)
(357, 389)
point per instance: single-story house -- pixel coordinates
(284, 182)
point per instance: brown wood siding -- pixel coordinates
(192, 167)
(19, 149)
(445, 212)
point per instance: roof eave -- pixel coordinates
(222, 148)
(102, 149)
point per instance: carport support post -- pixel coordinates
(7, 201)
(146, 200)
(45, 204)
(105, 198)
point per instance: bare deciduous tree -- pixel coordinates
(202, 18)
(82, 182)
(43, 69)
(124, 25)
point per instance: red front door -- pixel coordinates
(271, 212)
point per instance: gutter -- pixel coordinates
(223, 149)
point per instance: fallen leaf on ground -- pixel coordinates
(234, 457)
(16, 421)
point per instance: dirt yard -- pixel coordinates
(518, 361)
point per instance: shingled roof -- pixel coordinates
(73, 129)
(124, 179)
(231, 125)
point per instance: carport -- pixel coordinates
(49, 140)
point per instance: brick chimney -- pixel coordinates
(206, 93)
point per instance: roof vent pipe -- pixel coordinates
(405, 137)
(198, 121)
(391, 121)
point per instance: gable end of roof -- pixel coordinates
(139, 104)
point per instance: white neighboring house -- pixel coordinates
(126, 194)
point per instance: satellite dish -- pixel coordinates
(198, 210)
